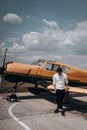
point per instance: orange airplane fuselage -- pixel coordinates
(41, 71)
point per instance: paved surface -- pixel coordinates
(33, 112)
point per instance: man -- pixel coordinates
(60, 83)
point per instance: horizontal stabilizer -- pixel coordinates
(71, 89)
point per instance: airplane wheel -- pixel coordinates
(13, 97)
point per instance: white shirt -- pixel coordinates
(60, 80)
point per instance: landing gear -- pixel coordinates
(13, 96)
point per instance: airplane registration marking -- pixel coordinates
(17, 119)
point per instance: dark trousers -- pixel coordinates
(59, 98)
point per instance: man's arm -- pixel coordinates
(54, 86)
(54, 83)
(66, 82)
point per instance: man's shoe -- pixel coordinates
(56, 111)
(63, 113)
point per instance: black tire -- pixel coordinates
(13, 97)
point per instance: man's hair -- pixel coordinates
(59, 69)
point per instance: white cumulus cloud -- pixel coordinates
(51, 23)
(31, 38)
(12, 18)
(53, 43)
(17, 48)
(49, 39)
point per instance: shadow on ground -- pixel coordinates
(71, 104)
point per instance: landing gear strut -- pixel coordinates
(13, 96)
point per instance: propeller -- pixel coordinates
(2, 79)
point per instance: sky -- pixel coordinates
(44, 29)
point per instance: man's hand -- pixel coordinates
(54, 87)
(67, 88)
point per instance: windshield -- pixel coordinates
(39, 62)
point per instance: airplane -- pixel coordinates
(40, 73)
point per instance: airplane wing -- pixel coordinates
(71, 89)
(77, 90)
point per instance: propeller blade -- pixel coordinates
(2, 79)
(2, 76)
(4, 57)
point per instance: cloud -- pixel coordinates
(28, 16)
(82, 25)
(12, 18)
(51, 23)
(54, 43)
(16, 47)
(55, 39)
(49, 39)
(58, 43)
(31, 38)
(2, 45)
